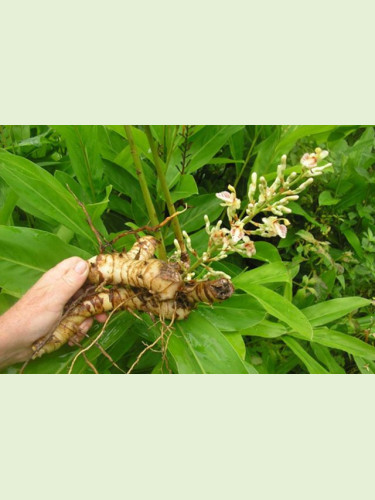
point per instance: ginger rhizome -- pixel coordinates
(138, 282)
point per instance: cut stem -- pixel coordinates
(165, 189)
(144, 187)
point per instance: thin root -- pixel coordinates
(108, 356)
(150, 229)
(102, 245)
(142, 353)
(164, 344)
(96, 338)
(88, 362)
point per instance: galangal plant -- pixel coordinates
(174, 281)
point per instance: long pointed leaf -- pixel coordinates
(210, 349)
(84, 153)
(25, 254)
(311, 364)
(281, 308)
(269, 273)
(326, 312)
(43, 192)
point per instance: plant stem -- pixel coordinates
(165, 189)
(144, 187)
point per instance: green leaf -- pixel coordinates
(326, 199)
(344, 342)
(199, 347)
(125, 160)
(206, 144)
(192, 219)
(43, 192)
(237, 313)
(96, 210)
(120, 206)
(8, 202)
(266, 153)
(6, 301)
(281, 141)
(25, 254)
(185, 188)
(365, 366)
(238, 343)
(122, 180)
(84, 153)
(224, 161)
(266, 252)
(266, 329)
(311, 364)
(275, 272)
(66, 179)
(324, 356)
(298, 210)
(295, 132)
(326, 312)
(281, 308)
(354, 242)
(236, 143)
(125, 183)
(203, 152)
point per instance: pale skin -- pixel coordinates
(39, 311)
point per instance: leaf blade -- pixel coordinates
(42, 191)
(326, 312)
(25, 254)
(311, 364)
(281, 308)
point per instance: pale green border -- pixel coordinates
(186, 437)
(202, 61)
(208, 437)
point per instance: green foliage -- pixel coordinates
(302, 304)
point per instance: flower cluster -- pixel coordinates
(223, 240)
(262, 198)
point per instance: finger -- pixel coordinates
(85, 327)
(102, 318)
(82, 331)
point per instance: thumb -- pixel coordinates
(66, 279)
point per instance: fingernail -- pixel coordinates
(81, 267)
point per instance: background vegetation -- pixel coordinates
(302, 305)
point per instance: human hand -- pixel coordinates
(40, 310)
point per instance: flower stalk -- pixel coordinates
(261, 199)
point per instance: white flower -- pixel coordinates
(272, 227)
(247, 247)
(281, 229)
(237, 232)
(225, 196)
(229, 198)
(311, 160)
(321, 154)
